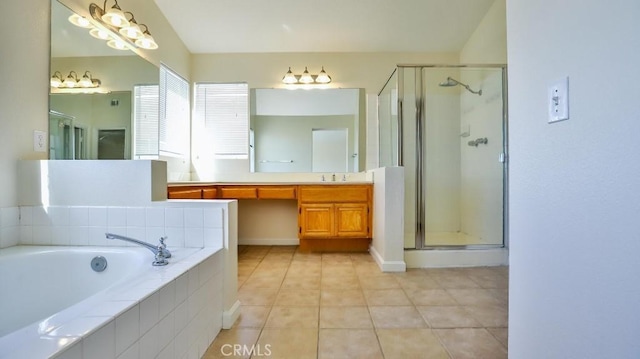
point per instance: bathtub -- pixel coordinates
(53, 303)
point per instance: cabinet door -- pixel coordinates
(316, 221)
(352, 220)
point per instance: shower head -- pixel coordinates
(449, 83)
(453, 82)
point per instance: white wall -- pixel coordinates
(487, 44)
(574, 199)
(25, 88)
(388, 218)
(92, 183)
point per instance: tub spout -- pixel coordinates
(160, 251)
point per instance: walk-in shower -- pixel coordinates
(450, 137)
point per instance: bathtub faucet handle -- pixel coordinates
(161, 259)
(162, 248)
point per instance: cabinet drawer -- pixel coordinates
(334, 193)
(243, 192)
(210, 193)
(184, 193)
(271, 192)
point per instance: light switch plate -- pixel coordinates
(39, 141)
(558, 98)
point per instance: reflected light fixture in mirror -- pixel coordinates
(306, 78)
(72, 82)
(80, 21)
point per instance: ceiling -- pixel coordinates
(237, 26)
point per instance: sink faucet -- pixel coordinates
(160, 251)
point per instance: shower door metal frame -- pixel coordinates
(420, 119)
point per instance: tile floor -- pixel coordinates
(334, 305)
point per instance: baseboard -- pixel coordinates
(456, 258)
(387, 266)
(268, 241)
(230, 316)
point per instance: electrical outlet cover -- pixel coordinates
(558, 98)
(39, 141)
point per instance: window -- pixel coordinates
(173, 126)
(145, 120)
(223, 110)
(161, 117)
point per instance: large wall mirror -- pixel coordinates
(92, 123)
(313, 130)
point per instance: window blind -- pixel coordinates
(145, 119)
(223, 108)
(173, 127)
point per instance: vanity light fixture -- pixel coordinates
(132, 30)
(80, 21)
(323, 78)
(113, 25)
(71, 81)
(306, 78)
(117, 44)
(99, 33)
(56, 79)
(114, 16)
(146, 41)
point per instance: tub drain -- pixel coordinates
(99, 263)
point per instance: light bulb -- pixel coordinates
(99, 33)
(117, 44)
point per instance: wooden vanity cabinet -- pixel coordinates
(334, 217)
(331, 217)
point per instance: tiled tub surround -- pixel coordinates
(160, 314)
(9, 226)
(185, 224)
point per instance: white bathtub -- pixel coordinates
(51, 299)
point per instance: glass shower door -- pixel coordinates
(463, 157)
(452, 125)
